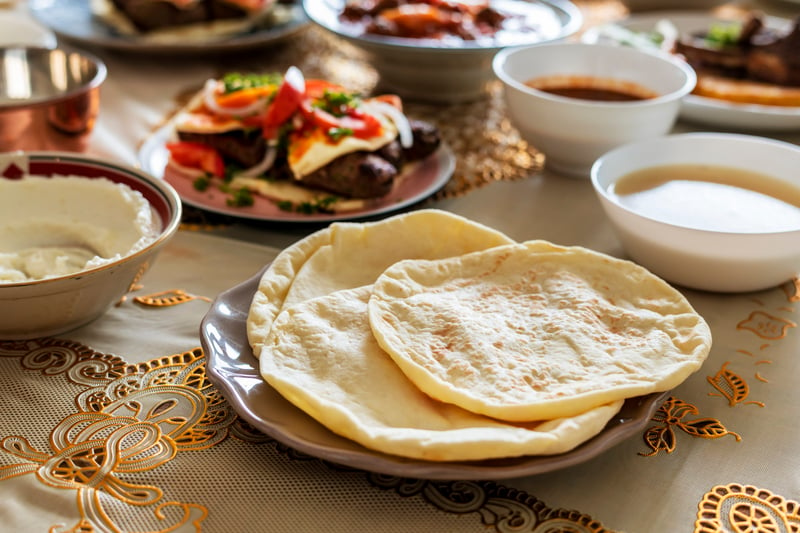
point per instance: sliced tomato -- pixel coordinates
(391, 99)
(286, 102)
(199, 156)
(315, 89)
(362, 125)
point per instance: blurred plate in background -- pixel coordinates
(75, 21)
(712, 111)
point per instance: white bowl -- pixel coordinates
(32, 308)
(574, 132)
(654, 5)
(447, 72)
(716, 261)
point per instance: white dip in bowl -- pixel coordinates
(60, 225)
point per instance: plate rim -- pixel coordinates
(445, 159)
(569, 13)
(236, 300)
(131, 43)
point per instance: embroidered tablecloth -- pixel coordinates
(115, 427)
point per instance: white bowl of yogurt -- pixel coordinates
(710, 211)
(75, 233)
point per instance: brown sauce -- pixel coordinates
(591, 88)
(590, 93)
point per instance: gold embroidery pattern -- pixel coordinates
(81, 364)
(136, 418)
(502, 508)
(167, 298)
(131, 418)
(736, 507)
(766, 326)
(673, 415)
(792, 290)
(732, 387)
(728, 384)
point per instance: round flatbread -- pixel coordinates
(347, 255)
(321, 355)
(521, 333)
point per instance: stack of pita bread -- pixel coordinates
(433, 337)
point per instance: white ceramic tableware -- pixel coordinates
(720, 261)
(53, 305)
(573, 132)
(447, 72)
(655, 5)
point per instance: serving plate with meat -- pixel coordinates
(286, 148)
(441, 51)
(101, 23)
(726, 95)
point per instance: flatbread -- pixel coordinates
(520, 333)
(347, 255)
(321, 355)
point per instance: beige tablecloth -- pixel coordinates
(115, 427)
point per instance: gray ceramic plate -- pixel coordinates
(73, 20)
(231, 366)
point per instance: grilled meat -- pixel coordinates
(244, 148)
(356, 175)
(148, 15)
(759, 54)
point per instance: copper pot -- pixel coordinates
(49, 98)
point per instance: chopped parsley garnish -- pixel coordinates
(321, 205)
(237, 82)
(338, 133)
(231, 171)
(337, 103)
(723, 34)
(285, 205)
(201, 183)
(240, 198)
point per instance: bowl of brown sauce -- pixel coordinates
(441, 52)
(576, 101)
(710, 211)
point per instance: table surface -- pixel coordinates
(115, 426)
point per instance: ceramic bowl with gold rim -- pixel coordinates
(76, 233)
(710, 211)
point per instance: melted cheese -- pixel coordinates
(307, 152)
(316, 149)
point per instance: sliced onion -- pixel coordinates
(398, 117)
(666, 28)
(189, 172)
(262, 166)
(294, 77)
(209, 98)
